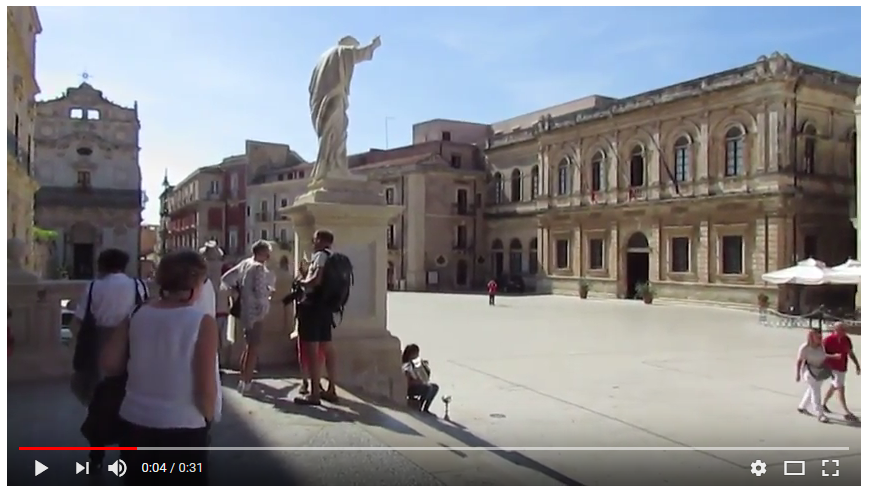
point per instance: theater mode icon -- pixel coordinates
(795, 468)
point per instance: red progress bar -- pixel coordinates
(76, 448)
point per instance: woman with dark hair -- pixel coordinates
(418, 375)
(168, 349)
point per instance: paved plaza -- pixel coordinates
(560, 371)
(537, 371)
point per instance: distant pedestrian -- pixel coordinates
(492, 288)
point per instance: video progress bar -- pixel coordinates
(505, 448)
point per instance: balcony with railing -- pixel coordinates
(463, 246)
(463, 209)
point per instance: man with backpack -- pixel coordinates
(326, 287)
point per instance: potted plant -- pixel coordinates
(583, 288)
(645, 292)
(762, 301)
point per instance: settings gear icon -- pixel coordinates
(758, 468)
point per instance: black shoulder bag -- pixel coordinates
(87, 342)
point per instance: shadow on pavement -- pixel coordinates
(347, 410)
(45, 414)
(461, 433)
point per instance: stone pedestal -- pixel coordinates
(368, 356)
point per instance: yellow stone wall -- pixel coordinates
(22, 27)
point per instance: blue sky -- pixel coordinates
(206, 79)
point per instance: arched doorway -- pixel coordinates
(83, 237)
(462, 273)
(516, 257)
(637, 263)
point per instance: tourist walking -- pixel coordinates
(251, 281)
(418, 375)
(326, 285)
(839, 344)
(102, 306)
(172, 397)
(812, 369)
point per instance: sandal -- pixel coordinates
(306, 401)
(850, 417)
(803, 411)
(330, 396)
(823, 419)
(826, 409)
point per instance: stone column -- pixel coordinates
(369, 357)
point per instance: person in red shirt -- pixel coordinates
(492, 287)
(838, 343)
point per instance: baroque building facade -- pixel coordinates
(855, 209)
(697, 188)
(87, 162)
(22, 28)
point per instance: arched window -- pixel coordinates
(638, 167)
(516, 186)
(498, 187)
(497, 258)
(597, 171)
(515, 257)
(681, 163)
(809, 145)
(535, 181)
(563, 177)
(734, 149)
(532, 257)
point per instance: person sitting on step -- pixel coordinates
(418, 373)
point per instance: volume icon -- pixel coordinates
(79, 468)
(118, 468)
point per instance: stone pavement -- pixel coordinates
(531, 372)
(560, 371)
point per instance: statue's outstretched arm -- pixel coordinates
(366, 53)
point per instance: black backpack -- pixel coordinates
(336, 284)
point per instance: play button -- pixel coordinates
(40, 468)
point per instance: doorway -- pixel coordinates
(390, 276)
(462, 273)
(83, 261)
(636, 263)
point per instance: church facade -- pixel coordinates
(87, 162)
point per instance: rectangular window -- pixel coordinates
(264, 234)
(731, 254)
(446, 136)
(233, 238)
(810, 246)
(680, 254)
(456, 161)
(563, 180)
(596, 176)
(595, 253)
(562, 253)
(390, 236)
(233, 184)
(284, 235)
(264, 205)
(390, 195)
(681, 165)
(284, 202)
(461, 236)
(461, 201)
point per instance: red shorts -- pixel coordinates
(303, 359)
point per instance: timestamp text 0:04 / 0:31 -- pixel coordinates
(171, 467)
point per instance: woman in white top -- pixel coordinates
(418, 373)
(811, 367)
(173, 385)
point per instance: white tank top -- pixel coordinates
(160, 370)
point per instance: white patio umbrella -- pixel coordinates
(807, 272)
(847, 273)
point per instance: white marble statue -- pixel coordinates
(329, 99)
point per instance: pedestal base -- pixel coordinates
(368, 356)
